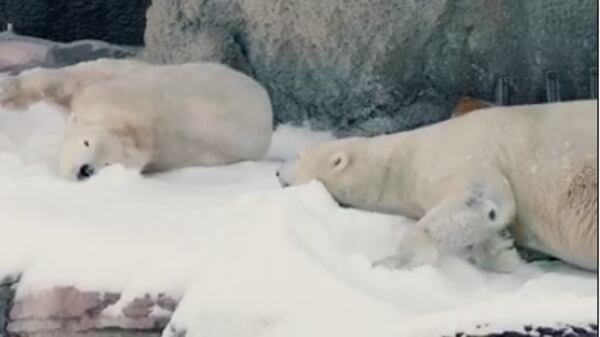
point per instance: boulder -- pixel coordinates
(366, 67)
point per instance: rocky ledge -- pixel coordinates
(70, 312)
(19, 53)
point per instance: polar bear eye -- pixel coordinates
(86, 143)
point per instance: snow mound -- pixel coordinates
(288, 141)
(247, 257)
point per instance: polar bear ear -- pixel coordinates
(338, 161)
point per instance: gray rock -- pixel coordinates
(108, 333)
(7, 294)
(70, 53)
(114, 21)
(364, 66)
(9, 280)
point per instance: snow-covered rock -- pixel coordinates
(67, 310)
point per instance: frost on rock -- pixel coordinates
(225, 251)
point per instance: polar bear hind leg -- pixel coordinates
(471, 219)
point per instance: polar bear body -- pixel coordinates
(531, 167)
(152, 117)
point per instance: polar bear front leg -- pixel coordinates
(466, 218)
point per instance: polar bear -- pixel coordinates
(149, 117)
(528, 170)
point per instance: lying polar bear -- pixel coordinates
(531, 169)
(149, 117)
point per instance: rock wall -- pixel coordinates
(115, 21)
(373, 66)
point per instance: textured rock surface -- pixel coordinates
(115, 21)
(7, 294)
(20, 52)
(67, 311)
(590, 330)
(365, 66)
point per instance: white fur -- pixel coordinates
(150, 117)
(531, 169)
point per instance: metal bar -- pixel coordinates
(552, 86)
(503, 90)
(593, 82)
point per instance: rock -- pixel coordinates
(560, 330)
(67, 311)
(18, 53)
(9, 280)
(365, 67)
(86, 50)
(115, 21)
(61, 302)
(7, 294)
(139, 307)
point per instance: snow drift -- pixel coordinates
(247, 257)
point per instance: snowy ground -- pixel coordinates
(248, 258)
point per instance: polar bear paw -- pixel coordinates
(415, 249)
(496, 254)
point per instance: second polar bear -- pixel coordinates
(529, 169)
(149, 117)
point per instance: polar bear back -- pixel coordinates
(548, 154)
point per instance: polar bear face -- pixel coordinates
(86, 149)
(343, 166)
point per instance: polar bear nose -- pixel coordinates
(282, 182)
(85, 171)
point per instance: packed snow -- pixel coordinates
(246, 257)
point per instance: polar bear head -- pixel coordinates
(345, 167)
(88, 147)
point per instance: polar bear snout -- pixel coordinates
(281, 176)
(85, 171)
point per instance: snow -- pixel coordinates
(246, 257)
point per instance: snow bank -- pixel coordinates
(247, 257)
